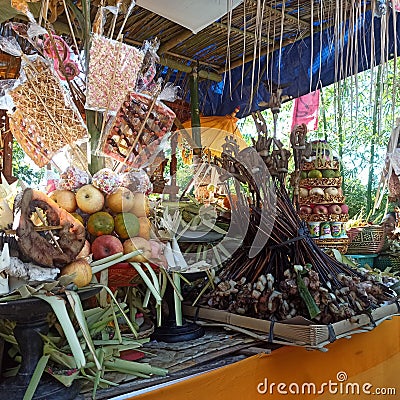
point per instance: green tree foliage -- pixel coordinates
(22, 169)
(356, 117)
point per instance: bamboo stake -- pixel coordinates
(39, 214)
(121, 164)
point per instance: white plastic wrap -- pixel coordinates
(113, 71)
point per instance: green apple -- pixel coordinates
(328, 173)
(315, 173)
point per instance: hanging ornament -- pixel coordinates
(381, 8)
(396, 5)
(54, 45)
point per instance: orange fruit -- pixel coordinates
(126, 225)
(227, 201)
(100, 223)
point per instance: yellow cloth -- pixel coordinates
(372, 357)
(215, 129)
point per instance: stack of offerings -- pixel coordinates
(322, 204)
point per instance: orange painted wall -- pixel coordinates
(367, 358)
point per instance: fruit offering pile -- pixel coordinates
(116, 221)
(321, 200)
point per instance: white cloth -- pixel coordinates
(192, 14)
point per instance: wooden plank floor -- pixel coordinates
(215, 349)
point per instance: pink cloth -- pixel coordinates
(305, 111)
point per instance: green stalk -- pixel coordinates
(34, 382)
(100, 357)
(125, 257)
(307, 298)
(147, 281)
(146, 298)
(59, 308)
(177, 299)
(143, 368)
(376, 114)
(129, 323)
(116, 326)
(106, 259)
(76, 305)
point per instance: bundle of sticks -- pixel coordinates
(279, 272)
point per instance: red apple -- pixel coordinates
(106, 245)
(305, 210)
(89, 199)
(335, 209)
(345, 208)
(320, 209)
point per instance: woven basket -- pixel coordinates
(368, 240)
(321, 182)
(386, 261)
(123, 275)
(319, 164)
(324, 217)
(340, 244)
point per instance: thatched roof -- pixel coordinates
(249, 31)
(253, 31)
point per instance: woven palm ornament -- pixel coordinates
(45, 119)
(124, 137)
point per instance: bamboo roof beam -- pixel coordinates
(182, 36)
(249, 34)
(167, 59)
(266, 50)
(293, 20)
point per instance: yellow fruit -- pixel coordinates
(315, 173)
(138, 243)
(126, 225)
(144, 228)
(65, 199)
(140, 206)
(82, 272)
(100, 223)
(89, 199)
(120, 201)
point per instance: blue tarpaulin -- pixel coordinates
(292, 65)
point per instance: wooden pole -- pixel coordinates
(96, 162)
(194, 105)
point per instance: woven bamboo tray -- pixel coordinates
(317, 199)
(321, 182)
(368, 240)
(340, 244)
(387, 261)
(299, 331)
(324, 217)
(319, 164)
